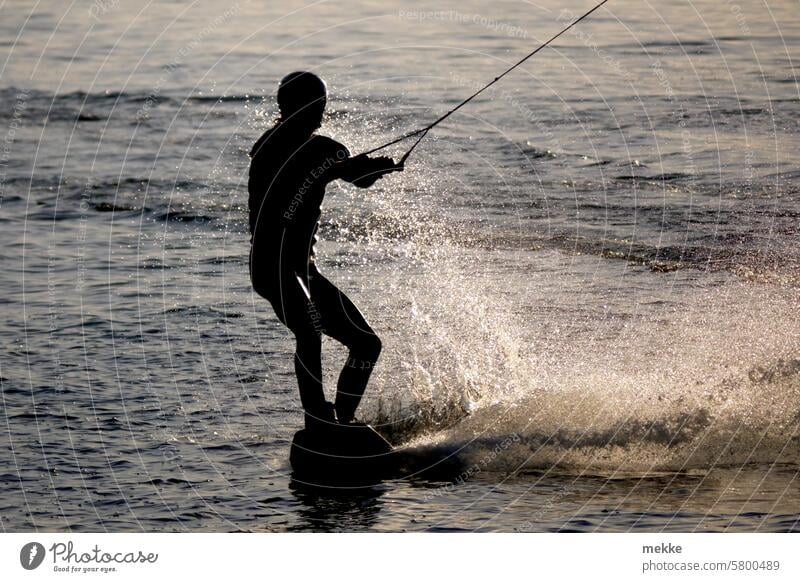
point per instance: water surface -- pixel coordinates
(586, 282)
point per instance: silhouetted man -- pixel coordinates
(289, 170)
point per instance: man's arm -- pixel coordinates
(364, 171)
(361, 171)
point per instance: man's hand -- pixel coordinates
(385, 165)
(368, 170)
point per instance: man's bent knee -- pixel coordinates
(367, 350)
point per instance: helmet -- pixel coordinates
(303, 92)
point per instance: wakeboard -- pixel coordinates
(341, 453)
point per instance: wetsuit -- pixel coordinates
(288, 176)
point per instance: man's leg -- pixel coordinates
(295, 309)
(308, 369)
(342, 321)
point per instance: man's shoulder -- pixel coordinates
(317, 144)
(261, 142)
(330, 146)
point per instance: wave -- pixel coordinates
(698, 378)
(568, 431)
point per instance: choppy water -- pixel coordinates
(586, 282)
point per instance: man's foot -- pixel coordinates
(344, 415)
(352, 421)
(321, 418)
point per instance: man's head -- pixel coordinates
(301, 99)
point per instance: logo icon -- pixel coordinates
(31, 555)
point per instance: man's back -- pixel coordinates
(287, 183)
